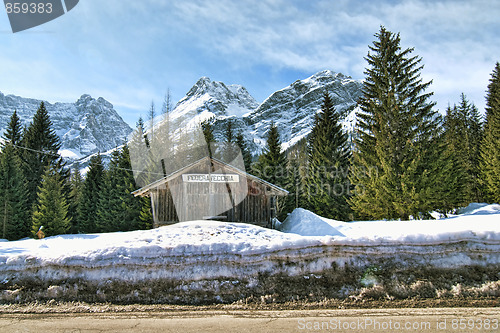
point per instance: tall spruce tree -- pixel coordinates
(75, 195)
(167, 103)
(490, 146)
(230, 147)
(135, 206)
(395, 149)
(294, 185)
(463, 131)
(109, 209)
(118, 209)
(51, 211)
(229, 132)
(271, 165)
(208, 133)
(91, 192)
(13, 133)
(245, 152)
(327, 182)
(41, 146)
(151, 118)
(450, 194)
(14, 210)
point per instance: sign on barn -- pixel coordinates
(207, 178)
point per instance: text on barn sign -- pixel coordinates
(207, 178)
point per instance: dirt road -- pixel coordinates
(365, 320)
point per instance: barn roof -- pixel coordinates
(144, 191)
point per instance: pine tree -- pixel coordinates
(327, 182)
(151, 118)
(14, 210)
(133, 205)
(208, 133)
(142, 131)
(14, 131)
(475, 137)
(447, 163)
(118, 209)
(229, 133)
(167, 103)
(41, 150)
(229, 147)
(271, 165)
(394, 150)
(490, 146)
(247, 156)
(91, 192)
(51, 210)
(140, 147)
(294, 185)
(109, 204)
(146, 214)
(463, 132)
(75, 195)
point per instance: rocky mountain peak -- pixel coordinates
(291, 108)
(209, 98)
(85, 127)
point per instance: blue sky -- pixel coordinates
(131, 52)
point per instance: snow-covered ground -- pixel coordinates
(208, 250)
(477, 221)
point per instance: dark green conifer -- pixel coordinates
(229, 133)
(118, 209)
(294, 185)
(14, 210)
(328, 185)
(13, 133)
(490, 147)
(51, 211)
(91, 192)
(208, 133)
(463, 132)
(41, 146)
(395, 146)
(247, 156)
(230, 148)
(271, 165)
(75, 195)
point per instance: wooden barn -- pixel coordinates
(212, 190)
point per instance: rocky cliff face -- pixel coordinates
(85, 127)
(92, 125)
(292, 108)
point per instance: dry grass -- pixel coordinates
(334, 286)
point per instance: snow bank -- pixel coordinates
(306, 223)
(476, 222)
(193, 256)
(480, 209)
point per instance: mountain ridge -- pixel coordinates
(85, 127)
(291, 108)
(91, 125)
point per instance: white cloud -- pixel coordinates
(458, 40)
(130, 52)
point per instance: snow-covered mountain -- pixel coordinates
(291, 108)
(212, 98)
(92, 125)
(85, 127)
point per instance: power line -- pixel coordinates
(57, 155)
(36, 151)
